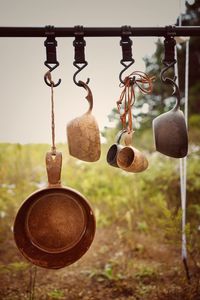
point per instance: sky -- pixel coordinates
(24, 96)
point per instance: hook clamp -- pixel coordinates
(51, 44)
(79, 55)
(126, 44)
(169, 61)
(169, 46)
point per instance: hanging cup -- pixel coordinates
(114, 150)
(131, 159)
(170, 132)
(83, 133)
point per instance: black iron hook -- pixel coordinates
(51, 63)
(51, 69)
(79, 53)
(169, 61)
(80, 68)
(126, 66)
(171, 82)
(126, 44)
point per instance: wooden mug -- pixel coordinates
(114, 150)
(83, 134)
(131, 159)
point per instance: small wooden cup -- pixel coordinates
(114, 150)
(131, 159)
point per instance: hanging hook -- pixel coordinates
(79, 55)
(125, 68)
(169, 81)
(126, 44)
(80, 68)
(169, 61)
(51, 63)
(50, 70)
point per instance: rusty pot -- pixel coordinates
(170, 131)
(54, 226)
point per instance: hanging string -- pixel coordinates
(186, 79)
(53, 148)
(33, 274)
(127, 98)
(183, 161)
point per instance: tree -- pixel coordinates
(191, 18)
(160, 99)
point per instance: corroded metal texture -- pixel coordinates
(170, 134)
(54, 226)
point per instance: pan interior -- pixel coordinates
(56, 222)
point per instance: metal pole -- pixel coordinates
(99, 31)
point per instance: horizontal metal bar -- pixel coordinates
(99, 31)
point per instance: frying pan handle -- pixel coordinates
(53, 167)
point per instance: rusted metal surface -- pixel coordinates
(169, 129)
(54, 226)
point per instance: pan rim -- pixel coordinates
(47, 259)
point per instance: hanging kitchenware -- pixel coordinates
(54, 226)
(169, 129)
(131, 159)
(170, 132)
(83, 133)
(128, 157)
(114, 150)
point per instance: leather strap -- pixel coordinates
(127, 98)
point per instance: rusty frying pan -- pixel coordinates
(55, 226)
(170, 131)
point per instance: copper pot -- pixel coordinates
(54, 226)
(170, 131)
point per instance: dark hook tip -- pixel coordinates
(54, 84)
(80, 68)
(81, 83)
(51, 68)
(125, 68)
(88, 80)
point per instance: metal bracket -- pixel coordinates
(51, 44)
(79, 55)
(126, 44)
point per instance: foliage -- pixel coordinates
(14, 267)
(126, 199)
(56, 294)
(161, 99)
(147, 203)
(145, 272)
